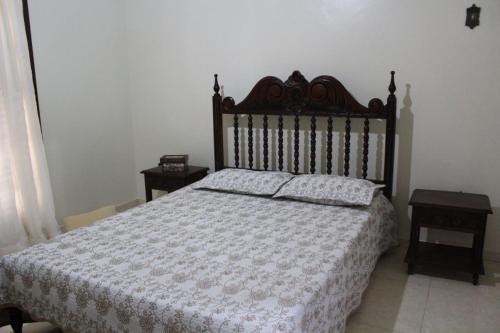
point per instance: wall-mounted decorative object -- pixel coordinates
(472, 19)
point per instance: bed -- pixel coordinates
(207, 261)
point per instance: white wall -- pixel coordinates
(450, 112)
(122, 82)
(81, 65)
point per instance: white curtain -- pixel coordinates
(26, 202)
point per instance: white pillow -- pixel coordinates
(330, 190)
(244, 181)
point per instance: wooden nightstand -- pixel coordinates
(457, 211)
(158, 179)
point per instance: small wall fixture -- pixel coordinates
(472, 19)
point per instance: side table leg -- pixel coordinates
(149, 191)
(477, 252)
(475, 279)
(414, 240)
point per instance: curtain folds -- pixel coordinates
(26, 202)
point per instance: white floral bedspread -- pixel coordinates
(202, 261)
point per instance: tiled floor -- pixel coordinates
(441, 302)
(397, 303)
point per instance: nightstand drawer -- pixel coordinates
(449, 219)
(165, 183)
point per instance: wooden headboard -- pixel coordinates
(324, 97)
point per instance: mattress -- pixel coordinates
(205, 261)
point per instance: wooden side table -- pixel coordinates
(158, 179)
(456, 211)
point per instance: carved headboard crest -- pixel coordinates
(297, 95)
(296, 92)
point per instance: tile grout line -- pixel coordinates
(425, 305)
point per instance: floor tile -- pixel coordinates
(489, 284)
(456, 307)
(392, 304)
(392, 266)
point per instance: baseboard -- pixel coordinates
(129, 204)
(491, 256)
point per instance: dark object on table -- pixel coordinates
(472, 18)
(456, 211)
(158, 179)
(174, 163)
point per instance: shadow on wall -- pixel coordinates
(404, 130)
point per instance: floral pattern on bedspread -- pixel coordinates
(203, 261)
